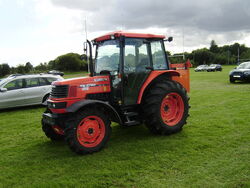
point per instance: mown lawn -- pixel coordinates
(213, 150)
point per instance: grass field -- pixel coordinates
(213, 150)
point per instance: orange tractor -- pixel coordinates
(131, 82)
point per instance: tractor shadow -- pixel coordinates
(123, 140)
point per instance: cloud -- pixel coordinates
(224, 21)
(207, 15)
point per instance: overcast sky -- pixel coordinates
(40, 30)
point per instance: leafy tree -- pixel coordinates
(214, 47)
(202, 56)
(42, 67)
(4, 69)
(28, 67)
(69, 62)
(21, 69)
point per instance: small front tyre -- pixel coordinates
(50, 132)
(88, 132)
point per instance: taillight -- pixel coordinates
(72, 91)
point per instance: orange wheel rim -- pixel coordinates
(172, 109)
(91, 131)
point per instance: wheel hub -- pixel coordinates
(90, 131)
(172, 109)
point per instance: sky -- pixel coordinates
(38, 31)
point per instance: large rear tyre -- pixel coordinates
(166, 107)
(88, 132)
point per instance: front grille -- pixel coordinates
(59, 91)
(237, 73)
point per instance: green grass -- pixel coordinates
(213, 150)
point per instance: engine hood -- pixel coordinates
(240, 70)
(84, 81)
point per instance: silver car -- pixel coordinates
(23, 90)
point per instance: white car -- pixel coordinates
(24, 90)
(201, 68)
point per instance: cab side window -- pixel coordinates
(136, 57)
(15, 84)
(32, 82)
(158, 55)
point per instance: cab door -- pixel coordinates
(137, 66)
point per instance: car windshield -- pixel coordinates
(244, 66)
(108, 56)
(2, 81)
(213, 65)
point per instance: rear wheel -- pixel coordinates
(88, 132)
(166, 107)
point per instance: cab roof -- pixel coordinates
(117, 34)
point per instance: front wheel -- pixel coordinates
(50, 132)
(166, 107)
(232, 80)
(88, 132)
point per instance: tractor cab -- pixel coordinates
(129, 58)
(131, 82)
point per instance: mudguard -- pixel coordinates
(83, 103)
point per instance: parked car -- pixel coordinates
(242, 73)
(214, 67)
(201, 68)
(24, 90)
(56, 72)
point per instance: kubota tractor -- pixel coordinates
(131, 82)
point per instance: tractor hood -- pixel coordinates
(83, 81)
(80, 87)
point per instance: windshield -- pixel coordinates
(244, 66)
(3, 81)
(108, 56)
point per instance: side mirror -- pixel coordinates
(3, 89)
(170, 39)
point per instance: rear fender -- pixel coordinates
(153, 75)
(179, 74)
(83, 104)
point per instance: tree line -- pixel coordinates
(224, 55)
(227, 54)
(66, 62)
